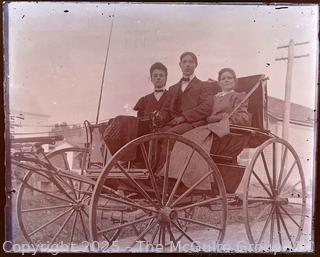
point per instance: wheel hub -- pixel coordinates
(281, 200)
(167, 214)
(78, 206)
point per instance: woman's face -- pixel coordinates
(227, 82)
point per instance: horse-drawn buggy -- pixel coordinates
(114, 203)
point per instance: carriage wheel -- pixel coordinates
(53, 215)
(166, 215)
(274, 201)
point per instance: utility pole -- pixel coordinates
(287, 106)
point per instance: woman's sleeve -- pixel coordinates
(241, 115)
(140, 107)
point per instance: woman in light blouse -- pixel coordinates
(225, 101)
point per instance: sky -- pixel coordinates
(56, 51)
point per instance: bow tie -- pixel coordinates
(185, 79)
(159, 90)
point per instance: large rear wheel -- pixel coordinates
(274, 201)
(165, 215)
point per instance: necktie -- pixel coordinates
(159, 90)
(185, 80)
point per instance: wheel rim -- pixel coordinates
(49, 215)
(274, 197)
(162, 219)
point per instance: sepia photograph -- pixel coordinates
(160, 127)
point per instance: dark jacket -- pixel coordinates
(195, 103)
(148, 104)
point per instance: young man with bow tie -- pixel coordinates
(154, 101)
(189, 101)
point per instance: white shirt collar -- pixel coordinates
(163, 88)
(158, 95)
(190, 77)
(223, 93)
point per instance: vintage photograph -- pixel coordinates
(161, 127)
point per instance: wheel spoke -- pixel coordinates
(261, 183)
(98, 227)
(50, 222)
(260, 200)
(160, 233)
(140, 189)
(287, 176)
(200, 223)
(199, 203)
(262, 212)
(271, 230)
(293, 220)
(163, 236)
(83, 227)
(166, 172)
(181, 173)
(172, 238)
(110, 242)
(61, 228)
(285, 229)
(283, 161)
(274, 166)
(72, 229)
(266, 170)
(55, 178)
(154, 234)
(45, 208)
(266, 225)
(185, 234)
(125, 224)
(45, 193)
(286, 191)
(279, 228)
(190, 189)
(153, 180)
(127, 203)
(85, 193)
(142, 234)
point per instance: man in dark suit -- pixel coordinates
(154, 101)
(189, 101)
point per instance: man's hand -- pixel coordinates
(157, 119)
(177, 120)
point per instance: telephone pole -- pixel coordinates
(287, 105)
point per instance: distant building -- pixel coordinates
(28, 124)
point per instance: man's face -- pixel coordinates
(187, 65)
(158, 78)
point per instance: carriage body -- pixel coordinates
(122, 200)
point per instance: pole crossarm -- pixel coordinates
(296, 44)
(297, 56)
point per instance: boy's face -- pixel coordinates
(187, 65)
(158, 78)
